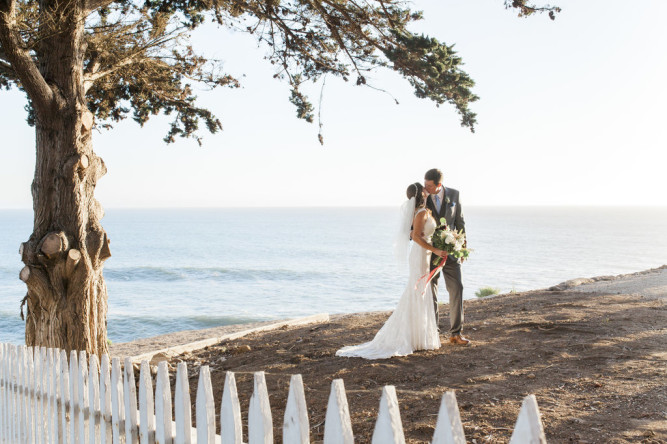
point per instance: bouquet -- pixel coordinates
(451, 241)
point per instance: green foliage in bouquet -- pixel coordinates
(451, 241)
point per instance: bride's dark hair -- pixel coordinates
(415, 190)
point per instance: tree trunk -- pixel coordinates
(64, 257)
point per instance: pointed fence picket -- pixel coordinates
(295, 424)
(44, 398)
(231, 429)
(146, 406)
(163, 433)
(205, 410)
(388, 428)
(448, 428)
(105, 403)
(260, 422)
(182, 407)
(130, 390)
(338, 425)
(94, 410)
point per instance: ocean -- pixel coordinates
(183, 269)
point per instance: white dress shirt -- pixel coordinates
(441, 195)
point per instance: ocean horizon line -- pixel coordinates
(288, 207)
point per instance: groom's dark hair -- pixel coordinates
(434, 175)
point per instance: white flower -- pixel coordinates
(450, 239)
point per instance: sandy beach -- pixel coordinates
(592, 350)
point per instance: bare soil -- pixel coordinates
(597, 363)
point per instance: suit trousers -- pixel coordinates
(452, 275)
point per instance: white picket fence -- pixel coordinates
(46, 399)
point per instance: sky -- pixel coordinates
(571, 112)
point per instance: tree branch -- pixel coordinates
(90, 78)
(386, 36)
(3, 57)
(289, 32)
(6, 67)
(94, 74)
(7, 74)
(20, 60)
(334, 33)
(92, 5)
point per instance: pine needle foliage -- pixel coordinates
(139, 60)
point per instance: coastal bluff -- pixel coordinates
(592, 351)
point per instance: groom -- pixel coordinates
(444, 202)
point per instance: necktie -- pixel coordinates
(437, 203)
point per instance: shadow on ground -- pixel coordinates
(596, 363)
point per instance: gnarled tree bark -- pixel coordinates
(64, 257)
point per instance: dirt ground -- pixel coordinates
(597, 363)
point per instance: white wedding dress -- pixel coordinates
(412, 325)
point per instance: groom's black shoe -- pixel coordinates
(458, 340)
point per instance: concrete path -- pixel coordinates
(173, 344)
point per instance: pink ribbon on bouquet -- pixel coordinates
(433, 272)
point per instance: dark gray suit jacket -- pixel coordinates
(450, 209)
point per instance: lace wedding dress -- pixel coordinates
(412, 325)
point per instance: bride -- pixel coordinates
(412, 325)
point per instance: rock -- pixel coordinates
(159, 357)
(240, 349)
(297, 359)
(571, 283)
